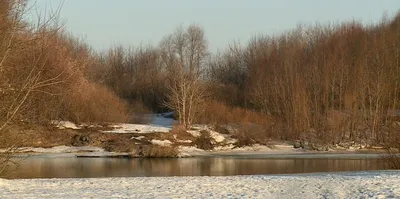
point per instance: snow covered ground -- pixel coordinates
(156, 123)
(383, 184)
(163, 123)
(60, 149)
(137, 128)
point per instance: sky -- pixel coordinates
(106, 23)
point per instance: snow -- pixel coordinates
(230, 149)
(65, 125)
(161, 142)
(181, 141)
(138, 137)
(194, 133)
(157, 123)
(383, 184)
(189, 151)
(60, 149)
(275, 151)
(224, 148)
(137, 128)
(217, 136)
(164, 119)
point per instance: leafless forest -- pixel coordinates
(329, 82)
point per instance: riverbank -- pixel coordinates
(256, 151)
(159, 138)
(376, 184)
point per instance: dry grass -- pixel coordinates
(221, 129)
(180, 132)
(392, 156)
(243, 140)
(32, 135)
(249, 134)
(155, 151)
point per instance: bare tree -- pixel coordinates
(184, 54)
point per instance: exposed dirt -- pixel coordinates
(47, 136)
(31, 135)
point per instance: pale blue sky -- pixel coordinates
(104, 23)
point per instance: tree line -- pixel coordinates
(335, 81)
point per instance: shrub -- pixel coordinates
(155, 151)
(205, 141)
(221, 129)
(392, 156)
(180, 132)
(243, 140)
(249, 134)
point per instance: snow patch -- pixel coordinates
(184, 141)
(65, 125)
(224, 148)
(137, 128)
(138, 137)
(194, 133)
(165, 120)
(217, 136)
(231, 141)
(189, 149)
(255, 147)
(161, 142)
(60, 149)
(181, 141)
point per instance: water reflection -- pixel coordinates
(42, 167)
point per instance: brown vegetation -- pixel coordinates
(155, 151)
(220, 113)
(204, 141)
(180, 133)
(183, 54)
(392, 145)
(334, 83)
(249, 134)
(134, 74)
(41, 75)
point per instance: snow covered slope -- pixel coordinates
(384, 184)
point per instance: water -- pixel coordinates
(46, 167)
